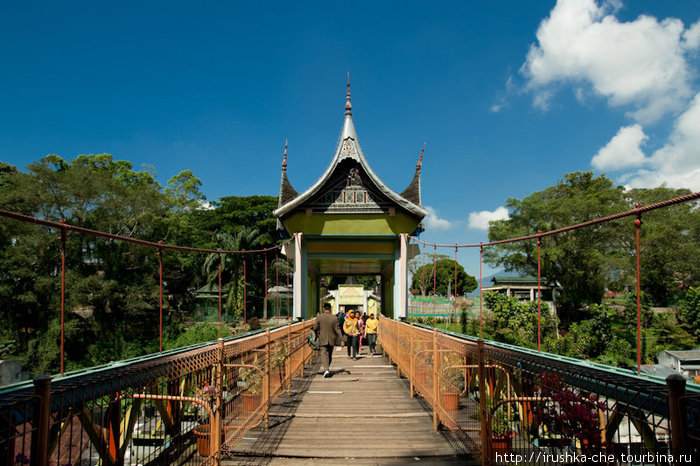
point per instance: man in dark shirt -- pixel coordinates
(328, 331)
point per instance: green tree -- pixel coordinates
(669, 244)
(581, 261)
(515, 322)
(689, 310)
(240, 239)
(444, 272)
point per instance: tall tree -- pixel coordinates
(444, 272)
(581, 261)
(669, 244)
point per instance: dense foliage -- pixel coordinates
(586, 264)
(112, 293)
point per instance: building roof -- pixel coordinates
(506, 280)
(688, 355)
(349, 168)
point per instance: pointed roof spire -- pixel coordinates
(420, 160)
(348, 105)
(284, 159)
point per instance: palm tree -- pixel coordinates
(240, 239)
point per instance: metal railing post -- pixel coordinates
(483, 408)
(266, 382)
(40, 433)
(288, 362)
(677, 415)
(218, 417)
(411, 364)
(436, 388)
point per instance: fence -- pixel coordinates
(181, 407)
(524, 406)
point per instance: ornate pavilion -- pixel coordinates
(350, 223)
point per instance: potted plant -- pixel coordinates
(277, 365)
(252, 388)
(451, 380)
(571, 415)
(501, 432)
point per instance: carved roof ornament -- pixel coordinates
(354, 178)
(348, 104)
(284, 159)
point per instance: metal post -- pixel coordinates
(40, 435)
(677, 414)
(160, 306)
(539, 288)
(481, 285)
(63, 285)
(483, 408)
(288, 374)
(220, 257)
(218, 415)
(266, 381)
(411, 366)
(637, 225)
(455, 290)
(436, 388)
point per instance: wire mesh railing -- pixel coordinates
(520, 406)
(184, 407)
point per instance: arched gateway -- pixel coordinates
(350, 223)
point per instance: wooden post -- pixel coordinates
(483, 407)
(40, 436)
(677, 414)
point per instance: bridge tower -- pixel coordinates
(350, 223)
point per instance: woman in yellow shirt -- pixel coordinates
(351, 328)
(371, 332)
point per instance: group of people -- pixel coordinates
(345, 330)
(355, 328)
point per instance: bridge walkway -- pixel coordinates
(362, 414)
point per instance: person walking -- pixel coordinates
(351, 327)
(371, 326)
(328, 332)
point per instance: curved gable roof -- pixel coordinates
(349, 148)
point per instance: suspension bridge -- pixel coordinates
(431, 396)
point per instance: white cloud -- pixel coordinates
(623, 150)
(433, 222)
(676, 164)
(480, 220)
(640, 63)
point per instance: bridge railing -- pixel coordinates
(542, 408)
(179, 407)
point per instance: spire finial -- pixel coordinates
(348, 105)
(284, 159)
(420, 159)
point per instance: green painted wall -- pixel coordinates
(388, 296)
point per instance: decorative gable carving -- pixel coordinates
(349, 195)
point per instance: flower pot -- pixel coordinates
(201, 433)
(501, 444)
(251, 401)
(449, 401)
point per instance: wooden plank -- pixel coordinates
(363, 411)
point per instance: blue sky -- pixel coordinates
(508, 95)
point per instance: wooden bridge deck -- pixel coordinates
(363, 414)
